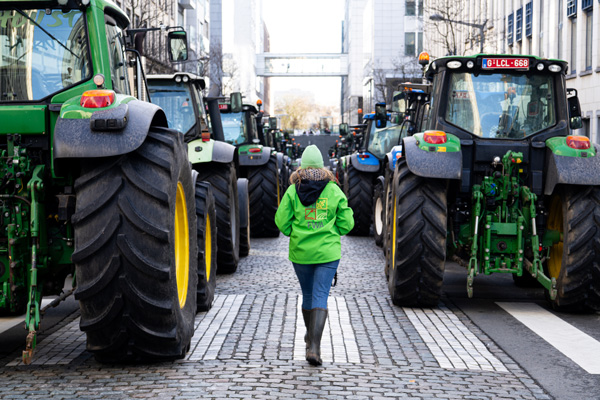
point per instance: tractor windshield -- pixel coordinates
(176, 100)
(501, 105)
(234, 128)
(382, 140)
(42, 53)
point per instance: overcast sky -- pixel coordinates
(306, 26)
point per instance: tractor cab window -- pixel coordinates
(176, 100)
(382, 140)
(501, 105)
(42, 54)
(234, 128)
(116, 53)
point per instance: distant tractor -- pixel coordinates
(496, 182)
(213, 160)
(260, 164)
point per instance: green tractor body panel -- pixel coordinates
(558, 146)
(23, 119)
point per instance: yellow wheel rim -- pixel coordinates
(208, 248)
(393, 244)
(555, 222)
(182, 240)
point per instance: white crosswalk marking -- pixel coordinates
(211, 332)
(573, 343)
(451, 342)
(338, 343)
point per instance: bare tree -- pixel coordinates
(443, 31)
(223, 71)
(295, 109)
(386, 80)
(152, 14)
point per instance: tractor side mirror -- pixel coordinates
(236, 102)
(178, 49)
(574, 110)
(380, 115)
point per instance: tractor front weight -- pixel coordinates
(503, 234)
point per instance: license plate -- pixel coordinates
(505, 63)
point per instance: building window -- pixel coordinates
(409, 44)
(571, 8)
(509, 30)
(588, 40)
(573, 58)
(528, 19)
(519, 25)
(419, 42)
(587, 5)
(411, 8)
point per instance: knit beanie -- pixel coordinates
(311, 157)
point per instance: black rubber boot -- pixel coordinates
(306, 316)
(318, 317)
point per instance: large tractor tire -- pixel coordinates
(418, 239)
(207, 245)
(575, 261)
(379, 212)
(136, 251)
(265, 194)
(359, 190)
(223, 180)
(244, 202)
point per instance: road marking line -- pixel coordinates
(213, 327)
(573, 343)
(451, 342)
(7, 323)
(338, 343)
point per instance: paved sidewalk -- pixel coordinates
(250, 346)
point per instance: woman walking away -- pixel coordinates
(314, 213)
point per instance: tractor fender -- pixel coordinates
(254, 160)
(392, 157)
(571, 170)
(74, 138)
(280, 161)
(369, 164)
(431, 164)
(210, 151)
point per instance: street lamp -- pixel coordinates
(438, 17)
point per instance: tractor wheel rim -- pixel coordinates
(555, 222)
(378, 216)
(208, 248)
(182, 240)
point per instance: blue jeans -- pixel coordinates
(315, 281)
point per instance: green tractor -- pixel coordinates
(95, 185)
(213, 160)
(260, 164)
(496, 183)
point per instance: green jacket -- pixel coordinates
(315, 230)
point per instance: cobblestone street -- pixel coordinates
(250, 346)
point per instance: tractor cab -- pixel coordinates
(180, 96)
(242, 123)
